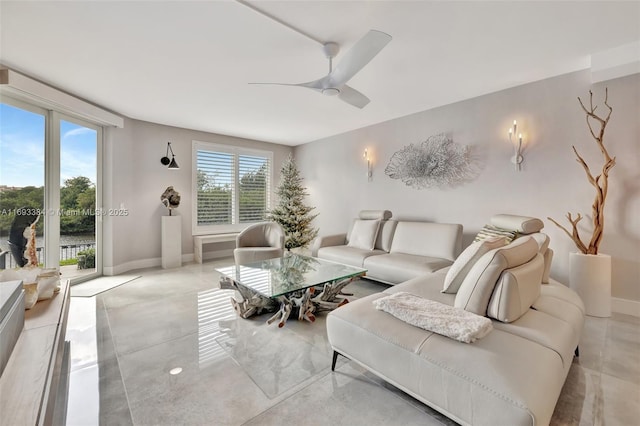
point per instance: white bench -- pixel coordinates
(199, 240)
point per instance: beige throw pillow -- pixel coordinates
(466, 260)
(516, 290)
(363, 234)
(478, 285)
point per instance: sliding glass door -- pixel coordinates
(79, 214)
(23, 130)
(50, 164)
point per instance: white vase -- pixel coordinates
(590, 277)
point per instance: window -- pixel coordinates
(231, 187)
(59, 179)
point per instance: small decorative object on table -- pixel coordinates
(590, 271)
(170, 198)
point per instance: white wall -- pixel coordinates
(135, 178)
(551, 183)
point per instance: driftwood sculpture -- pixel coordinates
(307, 302)
(599, 182)
(32, 251)
(17, 241)
(251, 303)
(170, 198)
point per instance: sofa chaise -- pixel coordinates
(513, 375)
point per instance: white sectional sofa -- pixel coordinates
(513, 375)
(392, 251)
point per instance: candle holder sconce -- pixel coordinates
(367, 158)
(517, 158)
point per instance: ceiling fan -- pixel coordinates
(335, 83)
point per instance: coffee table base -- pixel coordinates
(306, 301)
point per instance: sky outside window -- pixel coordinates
(22, 149)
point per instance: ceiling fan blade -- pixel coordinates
(276, 84)
(319, 84)
(358, 56)
(353, 97)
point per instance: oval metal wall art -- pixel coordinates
(436, 162)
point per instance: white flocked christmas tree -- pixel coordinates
(291, 212)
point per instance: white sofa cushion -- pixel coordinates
(347, 255)
(516, 290)
(363, 234)
(542, 240)
(548, 258)
(394, 268)
(559, 301)
(467, 259)
(546, 330)
(478, 285)
(427, 286)
(520, 224)
(543, 248)
(428, 239)
(385, 235)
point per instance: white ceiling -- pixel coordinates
(187, 64)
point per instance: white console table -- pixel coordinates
(34, 384)
(199, 240)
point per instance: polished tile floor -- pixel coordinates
(168, 349)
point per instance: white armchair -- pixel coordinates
(260, 241)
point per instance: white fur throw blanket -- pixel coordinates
(443, 319)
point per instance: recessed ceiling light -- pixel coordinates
(175, 371)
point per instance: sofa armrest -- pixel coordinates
(328, 241)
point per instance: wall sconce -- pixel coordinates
(517, 158)
(173, 165)
(369, 172)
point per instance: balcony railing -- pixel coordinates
(68, 251)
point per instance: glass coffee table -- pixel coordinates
(289, 283)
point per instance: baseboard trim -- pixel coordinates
(625, 306)
(134, 264)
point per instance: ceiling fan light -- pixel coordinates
(331, 91)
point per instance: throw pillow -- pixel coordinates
(516, 290)
(363, 234)
(478, 285)
(467, 259)
(489, 231)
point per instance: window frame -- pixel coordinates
(236, 151)
(52, 147)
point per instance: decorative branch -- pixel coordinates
(599, 182)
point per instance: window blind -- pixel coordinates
(253, 189)
(232, 187)
(216, 182)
